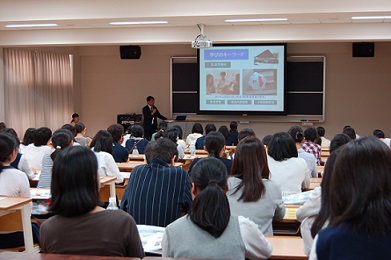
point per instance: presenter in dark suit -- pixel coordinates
(150, 114)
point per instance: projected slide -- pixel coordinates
(242, 78)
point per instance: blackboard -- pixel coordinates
(305, 88)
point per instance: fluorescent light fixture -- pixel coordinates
(31, 25)
(138, 22)
(370, 17)
(255, 20)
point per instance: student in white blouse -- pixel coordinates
(102, 145)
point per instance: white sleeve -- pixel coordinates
(165, 245)
(181, 154)
(313, 255)
(307, 180)
(311, 207)
(257, 246)
(112, 169)
(314, 171)
(24, 166)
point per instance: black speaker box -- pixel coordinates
(130, 52)
(363, 49)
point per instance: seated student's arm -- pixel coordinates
(187, 198)
(165, 246)
(313, 255)
(307, 180)
(112, 169)
(311, 207)
(24, 166)
(256, 244)
(279, 213)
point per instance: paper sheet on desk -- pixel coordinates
(299, 198)
(151, 237)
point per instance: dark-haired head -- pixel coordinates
(102, 142)
(8, 149)
(136, 131)
(210, 128)
(61, 139)
(214, 143)
(12, 132)
(378, 133)
(266, 140)
(325, 210)
(171, 134)
(149, 98)
(320, 130)
(180, 131)
(116, 131)
(162, 149)
(28, 137)
(71, 128)
(42, 136)
(2, 125)
(297, 133)
(350, 132)
(162, 125)
(245, 132)
(233, 126)
(210, 209)
(338, 141)
(197, 128)
(361, 187)
(69, 186)
(250, 165)
(310, 134)
(224, 130)
(282, 147)
(79, 127)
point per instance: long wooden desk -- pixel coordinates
(129, 166)
(287, 247)
(36, 256)
(9, 205)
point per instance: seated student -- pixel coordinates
(80, 135)
(120, 153)
(250, 191)
(200, 142)
(158, 192)
(28, 138)
(310, 211)
(82, 226)
(360, 204)
(310, 146)
(72, 128)
(196, 132)
(347, 129)
(266, 140)
(209, 230)
(286, 169)
(161, 128)
(225, 132)
(136, 140)
(380, 134)
(181, 142)
(12, 183)
(215, 146)
(102, 145)
(323, 141)
(243, 134)
(35, 151)
(233, 134)
(172, 134)
(20, 162)
(298, 136)
(61, 139)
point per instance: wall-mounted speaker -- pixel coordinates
(130, 52)
(363, 49)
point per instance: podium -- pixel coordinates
(129, 119)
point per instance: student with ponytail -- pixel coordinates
(298, 136)
(209, 230)
(12, 183)
(61, 139)
(215, 146)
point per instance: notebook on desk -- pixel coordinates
(180, 118)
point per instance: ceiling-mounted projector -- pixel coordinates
(201, 41)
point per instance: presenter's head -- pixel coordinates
(151, 101)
